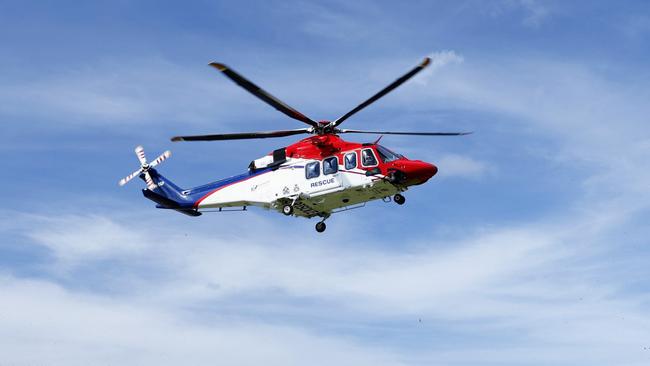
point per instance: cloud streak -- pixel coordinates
(74, 329)
(541, 280)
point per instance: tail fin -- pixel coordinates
(168, 195)
(166, 187)
(160, 189)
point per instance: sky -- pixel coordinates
(530, 246)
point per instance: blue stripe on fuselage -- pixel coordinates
(196, 193)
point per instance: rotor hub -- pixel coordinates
(324, 128)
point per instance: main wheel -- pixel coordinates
(399, 199)
(320, 226)
(287, 209)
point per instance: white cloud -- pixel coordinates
(44, 323)
(80, 238)
(548, 282)
(439, 59)
(442, 58)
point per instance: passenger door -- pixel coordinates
(320, 181)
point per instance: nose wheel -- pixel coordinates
(399, 199)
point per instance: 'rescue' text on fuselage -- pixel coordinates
(321, 183)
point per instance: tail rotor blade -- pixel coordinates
(164, 156)
(150, 184)
(144, 168)
(125, 180)
(139, 152)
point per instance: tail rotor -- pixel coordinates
(144, 167)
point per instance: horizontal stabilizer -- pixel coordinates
(164, 202)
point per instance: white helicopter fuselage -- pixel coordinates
(290, 184)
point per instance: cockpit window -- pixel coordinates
(330, 165)
(368, 157)
(312, 170)
(350, 160)
(386, 155)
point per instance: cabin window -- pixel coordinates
(312, 170)
(386, 155)
(330, 165)
(368, 158)
(350, 160)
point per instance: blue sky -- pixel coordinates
(528, 248)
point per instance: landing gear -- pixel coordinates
(320, 226)
(287, 210)
(396, 176)
(399, 199)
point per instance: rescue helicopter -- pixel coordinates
(315, 177)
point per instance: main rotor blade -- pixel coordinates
(242, 136)
(407, 133)
(262, 94)
(384, 91)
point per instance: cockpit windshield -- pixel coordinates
(386, 155)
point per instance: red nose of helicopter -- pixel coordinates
(420, 171)
(414, 171)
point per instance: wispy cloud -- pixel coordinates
(74, 329)
(442, 58)
(125, 93)
(547, 281)
(570, 103)
(439, 60)
(74, 239)
(536, 12)
(323, 21)
(533, 12)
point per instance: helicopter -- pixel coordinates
(315, 177)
